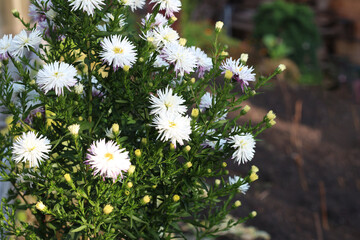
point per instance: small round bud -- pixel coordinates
(74, 129)
(127, 192)
(141, 59)
(79, 89)
(226, 172)
(187, 148)
(224, 53)
(144, 141)
(145, 200)
(228, 74)
(188, 165)
(138, 153)
(192, 80)
(81, 118)
(253, 214)
(224, 164)
(218, 26)
(108, 209)
(176, 198)
(246, 108)
(129, 185)
(32, 82)
(253, 177)
(195, 112)
(173, 19)
(126, 68)
(253, 93)
(40, 206)
(208, 170)
(172, 146)
(270, 115)
(282, 67)
(254, 169)
(154, 186)
(39, 115)
(244, 57)
(67, 178)
(237, 203)
(15, 13)
(272, 122)
(115, 128)
(182, 41)
(217, 182)
(131, 170)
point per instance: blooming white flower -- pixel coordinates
(166, 101)
(203, 61)
(173, 127)
(163, 35)
(242, 73)
(206, 101)
(87, 6)
(219, 25)
(158, 21)
(159, 62)
(244, 145)
(170, 6)
(181, 57)
(31, 148)
(5, 44)
(23, 40)
(74, 129)
(118, 51)
(107, 159)
(135, 4)
(243, 188)
(79, 88)
(56, 76)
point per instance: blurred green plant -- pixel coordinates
(276, 47)
(295, 25)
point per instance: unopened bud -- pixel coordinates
(129, 185)
(138, 153)
(79, 89)
(74, 129)
(254, 169)
(131, 170)
(173, 19)
(195, 112)
(237, 203)
(218, 26)
(188, 165)
(144, 141)
(141, 59)
(217, 182)
(145, 200)
(224, 164)
(176, 198)
(40, 206)
(187, 148)
(244, 57)
(272, 122)
(115, 128)
(108, 209)
(126, 68)
(228, 74)
(253, 214)
(192, 80)
(224, 53)
(32, 82)
(182, 41)
(172, 146)
(67, 178)
(208, 170)
(246, 108)
(15, 12)
(270, 115)
(282, 67)
(253, 177)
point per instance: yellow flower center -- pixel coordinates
(109, 156)
(243, 143)
(172, 124)
(118, 50)
(168, 105)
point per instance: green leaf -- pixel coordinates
(78, 229)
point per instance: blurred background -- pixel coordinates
(309, 185)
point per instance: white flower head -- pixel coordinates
(181, 57)
(159, 62)
(87, 6)
(206, 101)
(241, 73)
(107, 159)
(243, 188)
(74, 129)
(203, 61)
(163, 35)
(56, 76)
(5, 44)
(24, 40)
(135, 4)
(79, 88)
(31, 148)
(245, 147)
(166, 101)
(118, 51)
(170, 6)
(173, 127)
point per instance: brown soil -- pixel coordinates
(309, 185)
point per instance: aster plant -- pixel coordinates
(119, 131)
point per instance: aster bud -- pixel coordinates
(176, 198)
(141, 59)
(209, 170)
(254, 169)
(246, 108)
(144, 141)
(253, 214)
(129, 185)
(108, 209)
(187, 165)
(217, 182)
(282, 67)
(127, 192)
(187, 148)
(39, 115)
(32, 82)
(182, 41)
(192, 80)
(252, 93)
(195, 112)
(224, 53)
(79, 89)
(228, 74)
(15, 13)
(237, 203)
(172, 146)
(224, 164)
(68, 178)
(145, 199)
(218, 26)
(138, 153)
(272, 122)
(131, 170)
(253, 177)
(74, 129)
(244, 57)
(173, 19)
(115, 128)
(270, 115)
(40, 206)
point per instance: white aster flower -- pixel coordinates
(204, 63)
(243, 188)
(173, 127)
(135, 4)
(170, 6)
(31, 148)
(181, 57)
(118, 51)
(244, 145)
(107, 159)
(159, 20)
(166, 101)
(159, 62)
(163, 35)
(56, 76)
(87, 6)
(79, 88)
(5, 44)
(23, 40)
(74, 129)
(206, 101)
(241, 73)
